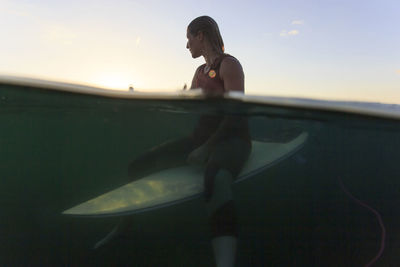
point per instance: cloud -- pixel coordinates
(10, 8)
(285, 33)
(297, 22)
(59, 34)
(17, 13)
(398, 71)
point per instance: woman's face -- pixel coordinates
(194, 44)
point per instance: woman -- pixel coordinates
(224, 140)
(221, 143)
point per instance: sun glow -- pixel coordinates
(115, 81)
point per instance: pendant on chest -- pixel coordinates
(212, 74)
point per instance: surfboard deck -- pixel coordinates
(176, 185)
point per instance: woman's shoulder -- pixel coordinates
(230, 63)
(229, 59)
(199, 69)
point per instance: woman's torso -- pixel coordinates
(212, 85)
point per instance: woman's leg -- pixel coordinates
(224, 164)
(167, 155)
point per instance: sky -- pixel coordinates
(320, 49)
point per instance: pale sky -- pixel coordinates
(326, 49)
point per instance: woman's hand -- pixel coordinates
(199, 156)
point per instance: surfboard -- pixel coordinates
(176, 185)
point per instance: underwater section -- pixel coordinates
(332, 202)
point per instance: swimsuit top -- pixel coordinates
(212, 85)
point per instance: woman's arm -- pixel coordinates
(231, 72)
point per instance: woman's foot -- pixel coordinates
(224, 250)
(119, 229)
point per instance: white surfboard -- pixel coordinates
(176, 185)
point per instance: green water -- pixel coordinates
(59, 149)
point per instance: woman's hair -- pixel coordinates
(209, 28)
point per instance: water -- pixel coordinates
(59, 149)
